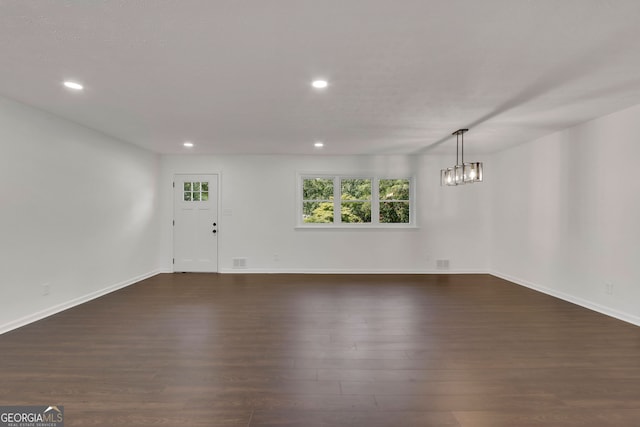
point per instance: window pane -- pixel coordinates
(196, 186)
(355, 212)
(356, 189)
(394, 189)
(187, 186)
(394, 212)
(205, 196)
(317, 189)
(187, 196)
(205, 186)
(317, 212)
(196, 196)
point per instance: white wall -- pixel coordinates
(78, 212)
(260, 193)
(566, 214)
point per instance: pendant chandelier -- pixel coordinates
(461, 173)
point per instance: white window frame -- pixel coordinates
(337, 202)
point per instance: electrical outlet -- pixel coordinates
(239, 263)
(608, 287)
(46, 289)
(442, 264)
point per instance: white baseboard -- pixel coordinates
(14, 324)
(338, 271)
(608, 311)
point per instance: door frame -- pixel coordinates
(173, 214)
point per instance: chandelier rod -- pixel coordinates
(457, 148)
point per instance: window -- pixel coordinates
(355, 200)
(317, 200)
(394, 201)
(350, 201)
(196, 191)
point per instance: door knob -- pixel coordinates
(214, 231)
(214, 224)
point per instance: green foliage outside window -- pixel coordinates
(355, 200)
(317, 205)
(394, 201)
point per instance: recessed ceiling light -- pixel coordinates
(318, 144)
(73, 85)
(319, 84)
(188, 144)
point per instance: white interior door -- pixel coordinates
(195, 227)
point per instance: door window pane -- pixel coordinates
(196, 191)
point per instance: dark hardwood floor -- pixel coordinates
(326, 350)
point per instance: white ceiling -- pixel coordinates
(234, 76)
